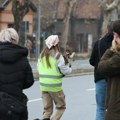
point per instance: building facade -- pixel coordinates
(7, 19)
(84, 25)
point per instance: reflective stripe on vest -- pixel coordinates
(51, 76)
(51, 85)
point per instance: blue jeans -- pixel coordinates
(100, 99)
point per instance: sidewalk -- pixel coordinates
(80, 67)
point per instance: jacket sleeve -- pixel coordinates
(65, 69)
(29, 80)
(92, 59)
(109, 64)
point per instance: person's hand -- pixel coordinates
(114, 43)
(66, 60)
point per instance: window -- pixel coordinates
(25, 26)
(80, 42)
(90, 41)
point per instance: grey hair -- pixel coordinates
(9, 35)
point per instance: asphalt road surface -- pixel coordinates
(80, 99)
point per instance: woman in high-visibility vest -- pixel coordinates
(51, 69)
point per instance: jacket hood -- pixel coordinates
(108, 37)
(11, 52)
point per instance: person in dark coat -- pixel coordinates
(99, 48)
(109, 65)
(15, 73)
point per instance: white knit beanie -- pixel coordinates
(9, 35)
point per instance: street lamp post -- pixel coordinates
(55, 21)
(25, 31)
(38, 31)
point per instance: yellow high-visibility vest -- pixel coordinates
(50, 78)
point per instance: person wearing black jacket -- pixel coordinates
(15, 73)
(99, 48)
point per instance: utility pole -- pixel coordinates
(25, 23)
(38, 32)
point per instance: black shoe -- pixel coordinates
(37, 119)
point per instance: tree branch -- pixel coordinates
(102, 2)
(112, 5)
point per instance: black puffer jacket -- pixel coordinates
(15, 71)
(98, 50)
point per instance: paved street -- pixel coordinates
(77, 64)
(80, 99)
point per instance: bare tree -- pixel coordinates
(110, 10)
(65, 33)
(19, 10)
(48, 10)
(48, 14)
